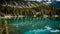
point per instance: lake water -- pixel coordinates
(34, 25)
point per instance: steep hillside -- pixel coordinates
(26, 8)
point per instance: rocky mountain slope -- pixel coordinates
(27, 8)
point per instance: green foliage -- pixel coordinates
(41, 10)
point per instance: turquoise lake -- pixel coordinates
(34, 25)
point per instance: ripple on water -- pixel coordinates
(42, 31)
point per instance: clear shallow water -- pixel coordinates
(36, 25)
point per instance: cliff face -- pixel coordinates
(27, 8)
(22, 4)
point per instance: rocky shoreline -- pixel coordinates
(9, 16)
